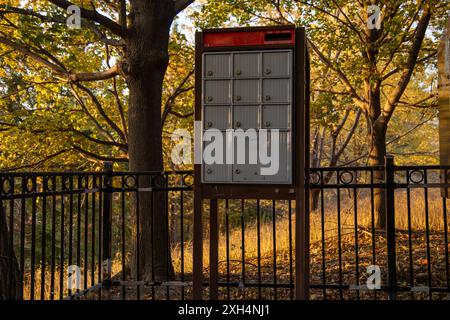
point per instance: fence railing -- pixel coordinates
(375, 233)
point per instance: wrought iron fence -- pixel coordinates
(74, 235)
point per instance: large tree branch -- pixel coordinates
(62, 20)
(411, 62)
(93, 15)
(87, 136)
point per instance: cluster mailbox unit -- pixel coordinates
(251, 79)
(248, 89)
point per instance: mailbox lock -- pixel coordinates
(238, 124)
(267, 71)
(210, 73)
(267, 123)
(209, 98)
(238, 98)
(237, 171)
(208, 171)
(268, 97)
(238, 72)
(209, 124)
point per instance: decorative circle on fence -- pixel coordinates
(188, 180)
(84, 182)
(49, 184)
(315, 178)
(66, 183)
(130, 182)
(8, 186)
(30, 183)
(346, 177)
(416, 176)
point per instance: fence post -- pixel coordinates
(390, 226)
(107, 208)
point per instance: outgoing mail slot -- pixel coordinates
(246, 92)
(246, 65)
(217, 92)
(217, 66)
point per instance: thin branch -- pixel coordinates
(93, 15)
(102, 111)
(33, 165)
(98, 157)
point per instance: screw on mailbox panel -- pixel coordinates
(238, 72)
(209, 124)
(209, 98)
(237, 171)
(210, 73)
(238, 98)
(267, 71)
(268, 97)
(208, 171)
(238, 124)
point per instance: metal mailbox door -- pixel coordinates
(277, 64)
(276, 91)
(217, 66)
(246, 92)
(217, 92)
(218, 172)
(245, 117)
(246, 172)
(246, 65)
(217, 117)
(283, 174)
(275, 117)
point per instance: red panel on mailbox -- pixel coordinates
(248, 38)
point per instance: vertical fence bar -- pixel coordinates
(390, 226)
(62, 240)
(43, 239)
(53, 257)
(107, 210)
(33, 235)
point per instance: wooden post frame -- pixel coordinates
(251, 40)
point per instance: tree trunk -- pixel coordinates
(377, 143)
(10, 278)
(147, 53)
